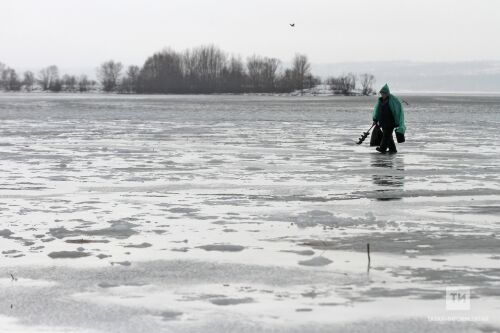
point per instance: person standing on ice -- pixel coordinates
(389, 115)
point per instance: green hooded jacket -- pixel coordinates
(396, 109)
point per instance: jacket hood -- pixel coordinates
(385, 89)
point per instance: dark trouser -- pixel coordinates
(388, 140)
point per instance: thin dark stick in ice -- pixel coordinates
(368, 251)
(369, 259)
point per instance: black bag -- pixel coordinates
(376, 138)
(400, 137)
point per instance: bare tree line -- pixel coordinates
(207, 69)
(204, 69)
(47, 79)
(346, 84)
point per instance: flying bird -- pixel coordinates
(292, 24)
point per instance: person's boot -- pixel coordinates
(392, 148)
(380, 150)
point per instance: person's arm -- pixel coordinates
(399, 118)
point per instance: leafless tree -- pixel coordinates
(83, 83)
(130, 81)
(234, 76)
(162, 73)
(262, 73)
(270, 72)
(352, 79)
(28, 80)
(301, 68)
(108, 74)
(367, 81)
(2, 69)
(10, 80)
(255, 68)
(205, 67)
(69, 82)
(48, 78)
(286, 81)
(344, 84)
(310, 81)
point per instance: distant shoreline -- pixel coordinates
(400, 93)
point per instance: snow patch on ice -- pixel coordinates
(316, 262)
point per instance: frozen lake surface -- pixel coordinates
(246, 214)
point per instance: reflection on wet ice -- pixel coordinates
(388, 176)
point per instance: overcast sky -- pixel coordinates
(79, 33)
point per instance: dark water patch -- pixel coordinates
(231, 301)
(206, 217)
(88, 202)
(19, 255)
(430, 294)
(183, 210)
(68, 254)
(216, 161)
(227, 202)
(170, 315)
(107, 285)
(311, 294)
(102, 256)
(295, 197)
(62, 232)
(401, 242)
(302, 252)
(492, 291)
(201, 297)
(10, 251)
(86, 241)
(249, 157)
(121, 263)
(476, 209)
(331, 304)
(254, 169)
(46, 240)
(222, 247)
(118, 229)
(6, 233)
(481, 277)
